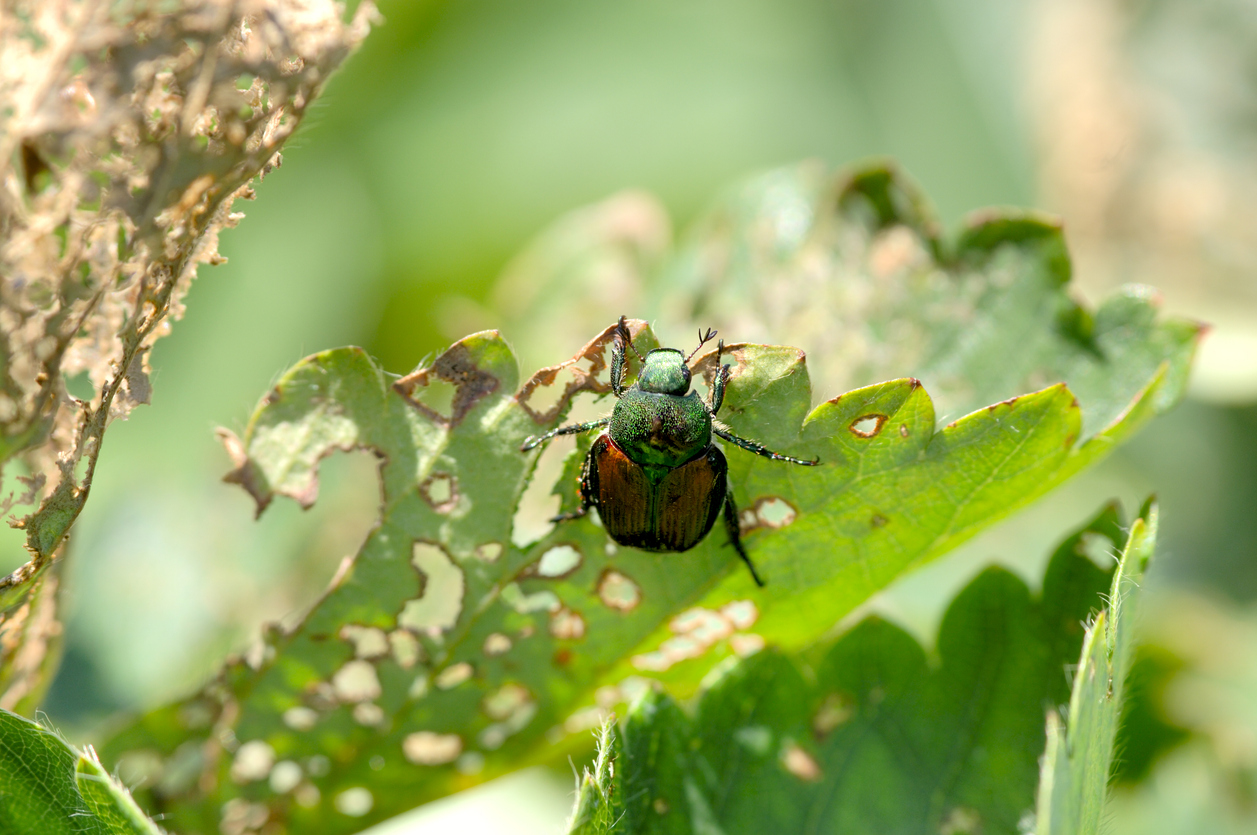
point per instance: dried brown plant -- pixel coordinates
(128, 130)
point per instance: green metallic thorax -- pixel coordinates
(659, 423)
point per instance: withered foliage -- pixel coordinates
(127, 132)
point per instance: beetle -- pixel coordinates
(654, 474)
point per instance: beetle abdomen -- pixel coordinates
(673, 515)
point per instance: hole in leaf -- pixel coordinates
(868, 425)
(539, 502)
(745, 645)
(800, 763)
(702, 625)
(442, 591)
(440, 491)
(506, 701)
(496, 644)
(368, 642)
(369, 714)
(448, 389)
(559, 561)
(239, 815)
(454, 675)
(488, 552)
(306, 795)
(567, 625)
(253, 761)
(354, 802)
(618, 591)
(356, 682)
(584, 720)
(741, 613)
(405, 647)
(300, 718)
(544, 395)
(285, 776)
(428, 748)
(774, 512)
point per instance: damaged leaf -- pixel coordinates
(446, 653)
(125, 140)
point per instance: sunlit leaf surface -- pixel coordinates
(1079, 755)
(451, 649)
(48, 788)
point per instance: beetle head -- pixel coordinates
(665, 372)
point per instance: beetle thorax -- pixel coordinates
(660, 430)
(665, 372)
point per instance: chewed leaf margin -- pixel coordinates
(447, 653)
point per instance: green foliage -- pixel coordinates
(50, 788)
(447, 651)
(1079, 756)
(869, 734)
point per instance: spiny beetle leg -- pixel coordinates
(758, 449)
(735, 536)
(719, 381)
(586, 496)
(533, 441)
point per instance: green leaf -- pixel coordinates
(852, 265)
(446, 653)
(1079, 756)
(47, 787)
(873, 735)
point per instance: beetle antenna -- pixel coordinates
(626, 338)
(703, 339)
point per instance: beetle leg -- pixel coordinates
(618, 347)
(735, 536)
(718, 382)
(758, 449)
(533, 441)
(586, 497)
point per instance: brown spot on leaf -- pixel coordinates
(456, 367)
(562, 657)
(245, 473)
(440, 491)
(1010, 402)
(867, 426)
(583, 372)
(878, 521)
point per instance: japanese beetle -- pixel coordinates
(656, 477)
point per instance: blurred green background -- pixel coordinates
(461, 130)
